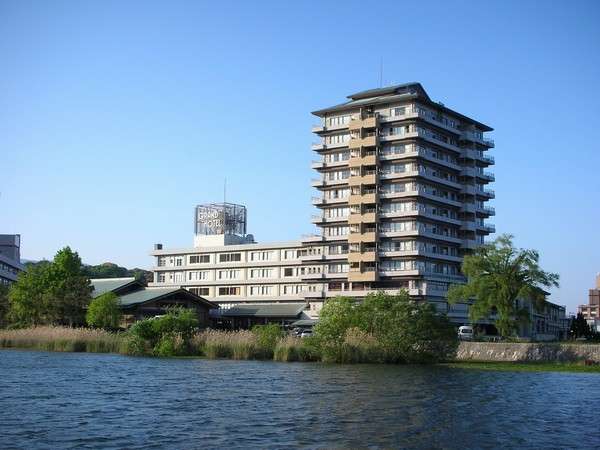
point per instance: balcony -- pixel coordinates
(486, 210)
(476, 137)
(357, 180)
(363, 160)
(367, 141)
(489, 193)
(357, 199)
(487, 228)
(366, 256)
(313, 276)
(319, 182)
(367, 236)
(367, 275)
(369, 121)
(319, 201)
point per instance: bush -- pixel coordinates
(383, 328)
(291, 348)
(267, 337)
(170, 344)
(104, 312)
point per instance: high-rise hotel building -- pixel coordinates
(402, 195)
(402, 198)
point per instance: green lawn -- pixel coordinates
(525, 366)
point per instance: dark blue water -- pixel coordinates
(70, 400)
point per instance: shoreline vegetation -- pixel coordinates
(240, 345)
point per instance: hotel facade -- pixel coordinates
(403, 194)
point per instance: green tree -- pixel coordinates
(579, 327)
(70, 289)
(403, 330)
(29, 298)
(4, 305)
(498, 275)
(104, 312)
(51, 292)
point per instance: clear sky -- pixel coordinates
(116, 118)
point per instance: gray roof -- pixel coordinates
(104, 285)
(304, 323)
(146, 295)
(291, 310)
(391, 94)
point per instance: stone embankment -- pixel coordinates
(532, 352)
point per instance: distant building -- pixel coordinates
(591, 311)
(138, 302)
(226, 266)
(10, 258)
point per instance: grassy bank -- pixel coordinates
(525, 366)
(60, 339)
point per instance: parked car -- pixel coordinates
(306, 333)
(465, 333)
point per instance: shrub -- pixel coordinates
(383, 328)
(144, 329)
(170, 344)
(267, 337)
(291, 348)
(104, 312)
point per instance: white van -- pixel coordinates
(465, 333)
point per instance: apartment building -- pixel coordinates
(10, 258)
(227, 267)
(403, 192)
(591, 311)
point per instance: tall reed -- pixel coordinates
(62, 339)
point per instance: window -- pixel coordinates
(178, 261)
(198, 276)
(261, 273)
(161, 277)
(262, 256)
(229, 290)
(288, 272)
(229, 274)
(199, 259)
(398, 111)
(161, 261)
(200, 291)
(261, 290)
(230, 257)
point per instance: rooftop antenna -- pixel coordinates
(225, 190)
(381, 72)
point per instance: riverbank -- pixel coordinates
(576, 367)
(256, 345)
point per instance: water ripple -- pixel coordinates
(80, 401)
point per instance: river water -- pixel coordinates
(72, 400)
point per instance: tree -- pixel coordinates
(4, 305)
(498, 275)
(28, 298)
(579, 327)
(104, 312)
(51, 292)
(403, 330)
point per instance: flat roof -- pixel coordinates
(229, 248)
(290, 310)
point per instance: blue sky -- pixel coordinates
(116, 118)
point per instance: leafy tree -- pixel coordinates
(51, 292)
(29, 298)
(579, 327)
(104, 312)
(4, 305)
(498, 275)
(403, 330)
(70, 288)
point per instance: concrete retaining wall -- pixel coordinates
(488, 351)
